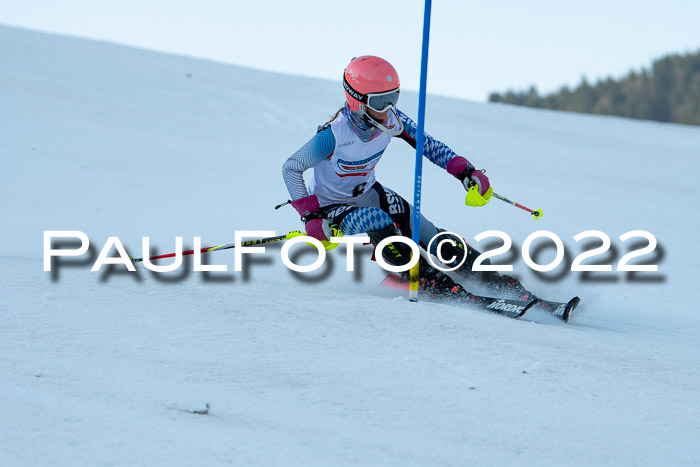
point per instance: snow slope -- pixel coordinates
(325, 368)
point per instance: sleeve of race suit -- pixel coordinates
(318, 148)
(435, 151)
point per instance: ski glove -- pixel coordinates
(310, 212)
(481, 181)
(475, 182)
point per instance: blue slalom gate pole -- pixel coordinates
(420, 142)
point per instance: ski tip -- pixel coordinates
(570, 307)
(396, 282)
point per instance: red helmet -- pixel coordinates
(371, 82)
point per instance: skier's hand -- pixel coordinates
(474, 181)
(479, 179)
(479, 189)
(310, 212)
(319, 229)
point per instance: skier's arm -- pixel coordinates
(441, 155)
(320, 147)
(435, 151)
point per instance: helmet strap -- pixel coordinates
(394, 132)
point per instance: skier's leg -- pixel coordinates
(402, 213)
(456, 250)
(381, 213)
(398, 211)
(432, 281)
(397, 221)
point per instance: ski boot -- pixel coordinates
(500, 285)
(432, 281)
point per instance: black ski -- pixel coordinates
(511, 308)
(563, 310)
(503, 306)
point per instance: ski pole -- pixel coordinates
(257, 241)
(289, 201)
(536, 213)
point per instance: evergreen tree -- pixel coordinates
(668, 92)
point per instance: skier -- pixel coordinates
(344, 192)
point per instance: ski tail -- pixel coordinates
(393, 281)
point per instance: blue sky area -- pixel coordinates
(476, 46)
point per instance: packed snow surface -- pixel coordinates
(269, 367)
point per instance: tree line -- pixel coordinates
(668, 92)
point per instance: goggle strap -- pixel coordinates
(355, 94)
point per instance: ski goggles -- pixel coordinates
(381, 101)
